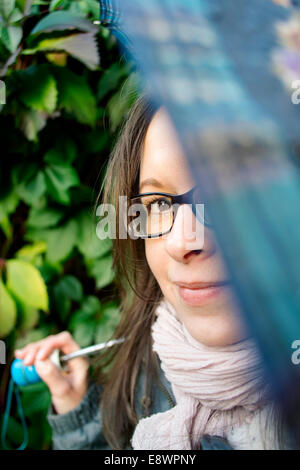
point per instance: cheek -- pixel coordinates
(156, 258)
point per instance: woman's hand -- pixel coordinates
(67, 388)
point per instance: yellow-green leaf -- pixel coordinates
(29, 317)
(27, 284)
(30, 252)
(8, 311)
(58, 58)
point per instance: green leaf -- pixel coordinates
(103, 333)
(81, 195)
(11, 37)
(110, 312)
(86, 7)
(4, 36)
(8, 204)
(63, 20)
(23, 173)
(59, 177)
(84, 333)
(90, 308)
(30, 252)
(27, 284)
(8, 311)
(88, 243)
(6, 227)
(42, 218)
(91, 7)
(6, 7)
(71, 287)
(31, 122)
(29, 182)
(15, 16)
(29, 317)
(43, 95)
(110, 318)
(91, 305)
(60, 241)
(31, 336)
(40, 2)
(76, 96)
(82, 46)
(34, 189)
(66, 148)
(62, 302)
(111, 78)
(54, 4)
(95, 141)
(78, 317)
(50, 271)
(101, 270)
(24, 5)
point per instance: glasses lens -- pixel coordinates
(202, 212)
(150, 215)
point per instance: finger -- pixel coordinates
(29, 347)
(63, 341)
(21, 353)
(30, 356)
(58, 385)
(78, 368)
(30, 353)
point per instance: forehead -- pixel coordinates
(163, 157)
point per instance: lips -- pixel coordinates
(200, 285)
(200, 293)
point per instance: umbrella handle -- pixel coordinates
(25, 375)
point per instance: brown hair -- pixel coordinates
(120, 365)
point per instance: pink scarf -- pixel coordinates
(215, 388)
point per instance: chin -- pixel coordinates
(213, 327)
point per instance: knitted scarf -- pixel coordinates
(216, 388)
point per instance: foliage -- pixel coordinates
(67, 91)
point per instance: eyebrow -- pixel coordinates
(152, 182)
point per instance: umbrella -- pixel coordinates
(227, 73)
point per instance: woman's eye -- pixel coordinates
(159, 205)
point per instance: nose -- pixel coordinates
(188, 236)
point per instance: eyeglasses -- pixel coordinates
(152, 215)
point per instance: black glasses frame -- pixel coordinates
(185, 198)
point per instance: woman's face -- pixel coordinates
(210, 314)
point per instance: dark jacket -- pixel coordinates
(81, 427)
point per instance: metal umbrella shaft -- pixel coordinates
(90, 350)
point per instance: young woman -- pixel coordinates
(187, 368)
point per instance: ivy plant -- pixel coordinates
(63, 76)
